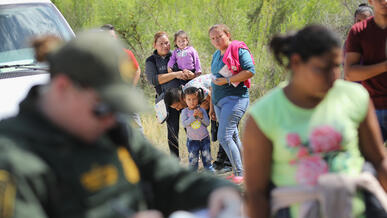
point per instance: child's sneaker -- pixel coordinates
(237, 179)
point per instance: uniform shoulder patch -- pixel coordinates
(7, 194)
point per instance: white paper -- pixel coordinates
(225, 72)
(161, 111)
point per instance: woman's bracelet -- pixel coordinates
(228, 80)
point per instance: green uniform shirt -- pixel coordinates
(46, 172)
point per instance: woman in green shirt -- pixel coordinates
(310, 126)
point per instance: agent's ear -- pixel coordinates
(61, 83)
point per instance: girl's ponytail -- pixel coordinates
(281, 46)
(200, 95)
(312, 40)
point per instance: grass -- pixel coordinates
(157, 134)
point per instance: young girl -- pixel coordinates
(313, 125)
(195, 120)
(185, 56)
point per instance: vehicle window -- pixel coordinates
(20, 23)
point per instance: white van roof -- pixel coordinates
(7, 2)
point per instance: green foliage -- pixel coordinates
(252, 21)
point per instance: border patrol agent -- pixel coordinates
(66, 154)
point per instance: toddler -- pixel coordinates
(195, 120)
(185, 56)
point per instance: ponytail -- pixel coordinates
(280, 45)
(44, 45)
(200, 95)
(312, 40)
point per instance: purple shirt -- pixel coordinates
(187, 58)
(196, 128)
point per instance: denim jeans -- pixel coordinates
(229, 111)
(202, 147)
(382, 119)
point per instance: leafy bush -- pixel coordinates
(252, 21)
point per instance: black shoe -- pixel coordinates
(218, 165)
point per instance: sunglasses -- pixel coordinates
(102, 109)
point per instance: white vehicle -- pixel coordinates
(20, 21)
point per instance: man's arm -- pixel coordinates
(356, 72)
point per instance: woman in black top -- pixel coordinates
(157, 74)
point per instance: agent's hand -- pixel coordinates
(148, 214)
(220, 81)
(225, 200)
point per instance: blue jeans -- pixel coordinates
(229, 111)
(382, 119)
(196, 147)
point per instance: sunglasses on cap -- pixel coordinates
(102, 109)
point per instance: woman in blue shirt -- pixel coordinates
(230, 96)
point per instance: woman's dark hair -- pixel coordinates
(364, 7)
(312, 40)
(180, 33)
(193, 90)
(172, 96)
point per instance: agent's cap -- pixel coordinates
(95, 59)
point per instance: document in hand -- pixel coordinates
(225, 72)
(161, 110)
